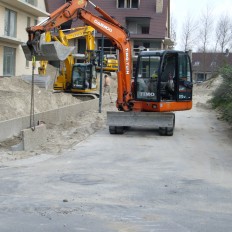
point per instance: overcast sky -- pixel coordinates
(180, 8)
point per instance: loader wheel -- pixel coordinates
(112, 130)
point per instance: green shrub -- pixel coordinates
(222, 96)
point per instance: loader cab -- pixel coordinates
(163, 76)
(83, 77)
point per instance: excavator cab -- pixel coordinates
(83, 78)
(163, 76)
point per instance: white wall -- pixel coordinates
(20, 64)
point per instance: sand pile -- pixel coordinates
(15, 98)
(202, 92)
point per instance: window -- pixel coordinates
(128, 3)
(10, 23)
(213, 64)
(35, 22)
(138, 25)
(28, 21)
(196, 63)
(9, 61)
(145, 30)
(32, 2)
(185, 78)
(184, 68)
(147, 78)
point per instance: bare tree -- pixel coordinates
(188, 38)
(205, 29)
(223, 33)
(172, 30)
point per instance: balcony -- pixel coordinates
(9, 39)
(26, 6)
(138, 25)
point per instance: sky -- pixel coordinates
(181, 8)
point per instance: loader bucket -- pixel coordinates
(49, 51)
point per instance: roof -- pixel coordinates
(208, 62)
(158, 23)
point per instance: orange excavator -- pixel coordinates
(162, 82)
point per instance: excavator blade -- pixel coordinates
(140, 119)
(50, 51)
(117, 121)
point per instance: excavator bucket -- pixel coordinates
(49, 51)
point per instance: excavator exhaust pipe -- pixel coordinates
(49, 51)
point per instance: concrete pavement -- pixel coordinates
(138, 182)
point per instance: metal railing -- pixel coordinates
(135, 51)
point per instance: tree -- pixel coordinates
(172, 30)
(205, 29)
(189, 28)
(223, 33)
(205, 32)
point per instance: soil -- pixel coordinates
(15, 95)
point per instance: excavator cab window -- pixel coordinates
(176, 77)
(184, 78)
(163, 76)
(167, 83)
(82, 76)
(147, 78)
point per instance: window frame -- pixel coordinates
(11, 64)
(10, 28)
(128, 4)
(32, 2)
(146, 85)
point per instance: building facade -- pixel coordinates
(15, 16)
(147, 21)
(207, 65)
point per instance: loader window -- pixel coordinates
(147, 79)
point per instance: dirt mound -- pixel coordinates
(202, 92)
(15, 98)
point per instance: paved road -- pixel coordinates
(136, 182)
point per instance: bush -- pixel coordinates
(222, 96)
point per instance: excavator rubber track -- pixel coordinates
(119, 121)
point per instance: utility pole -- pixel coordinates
(101, 72)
